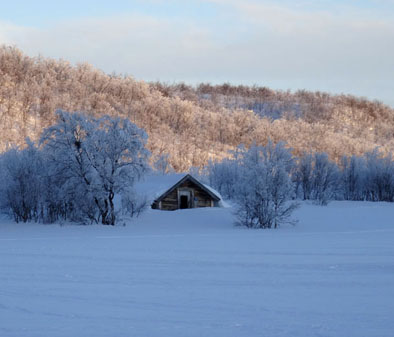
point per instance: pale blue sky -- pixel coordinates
(336, 46)
(41, 13)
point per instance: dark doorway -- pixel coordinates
(184, 201)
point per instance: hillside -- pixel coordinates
(191, 124)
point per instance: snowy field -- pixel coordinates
(192, 273)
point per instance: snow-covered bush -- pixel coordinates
(133, 204)
(21, 184)
(264, 188)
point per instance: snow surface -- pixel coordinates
(192, 273)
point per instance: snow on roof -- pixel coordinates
(212, 190)
(222, 203)
(154, 185)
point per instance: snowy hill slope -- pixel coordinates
(191, 124)
(192, 273)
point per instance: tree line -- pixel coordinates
(83, 169)
(265, 182)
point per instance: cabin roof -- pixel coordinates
(154, 186)
(187, 177)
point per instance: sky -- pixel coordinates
(335, 46)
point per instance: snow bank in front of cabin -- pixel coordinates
(192, 273)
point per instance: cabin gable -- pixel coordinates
(187, 193)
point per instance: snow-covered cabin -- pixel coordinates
(175, 191)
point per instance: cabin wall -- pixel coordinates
(170, 202)
(203, 198)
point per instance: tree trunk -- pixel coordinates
(108, 213)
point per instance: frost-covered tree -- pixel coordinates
(95, 159)
(264, 189)
(224, 177)
(21, 184)
(303, 175)
(324, 179)
(379, 178)
(317, 178)
(162, 164)
(353, 177)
